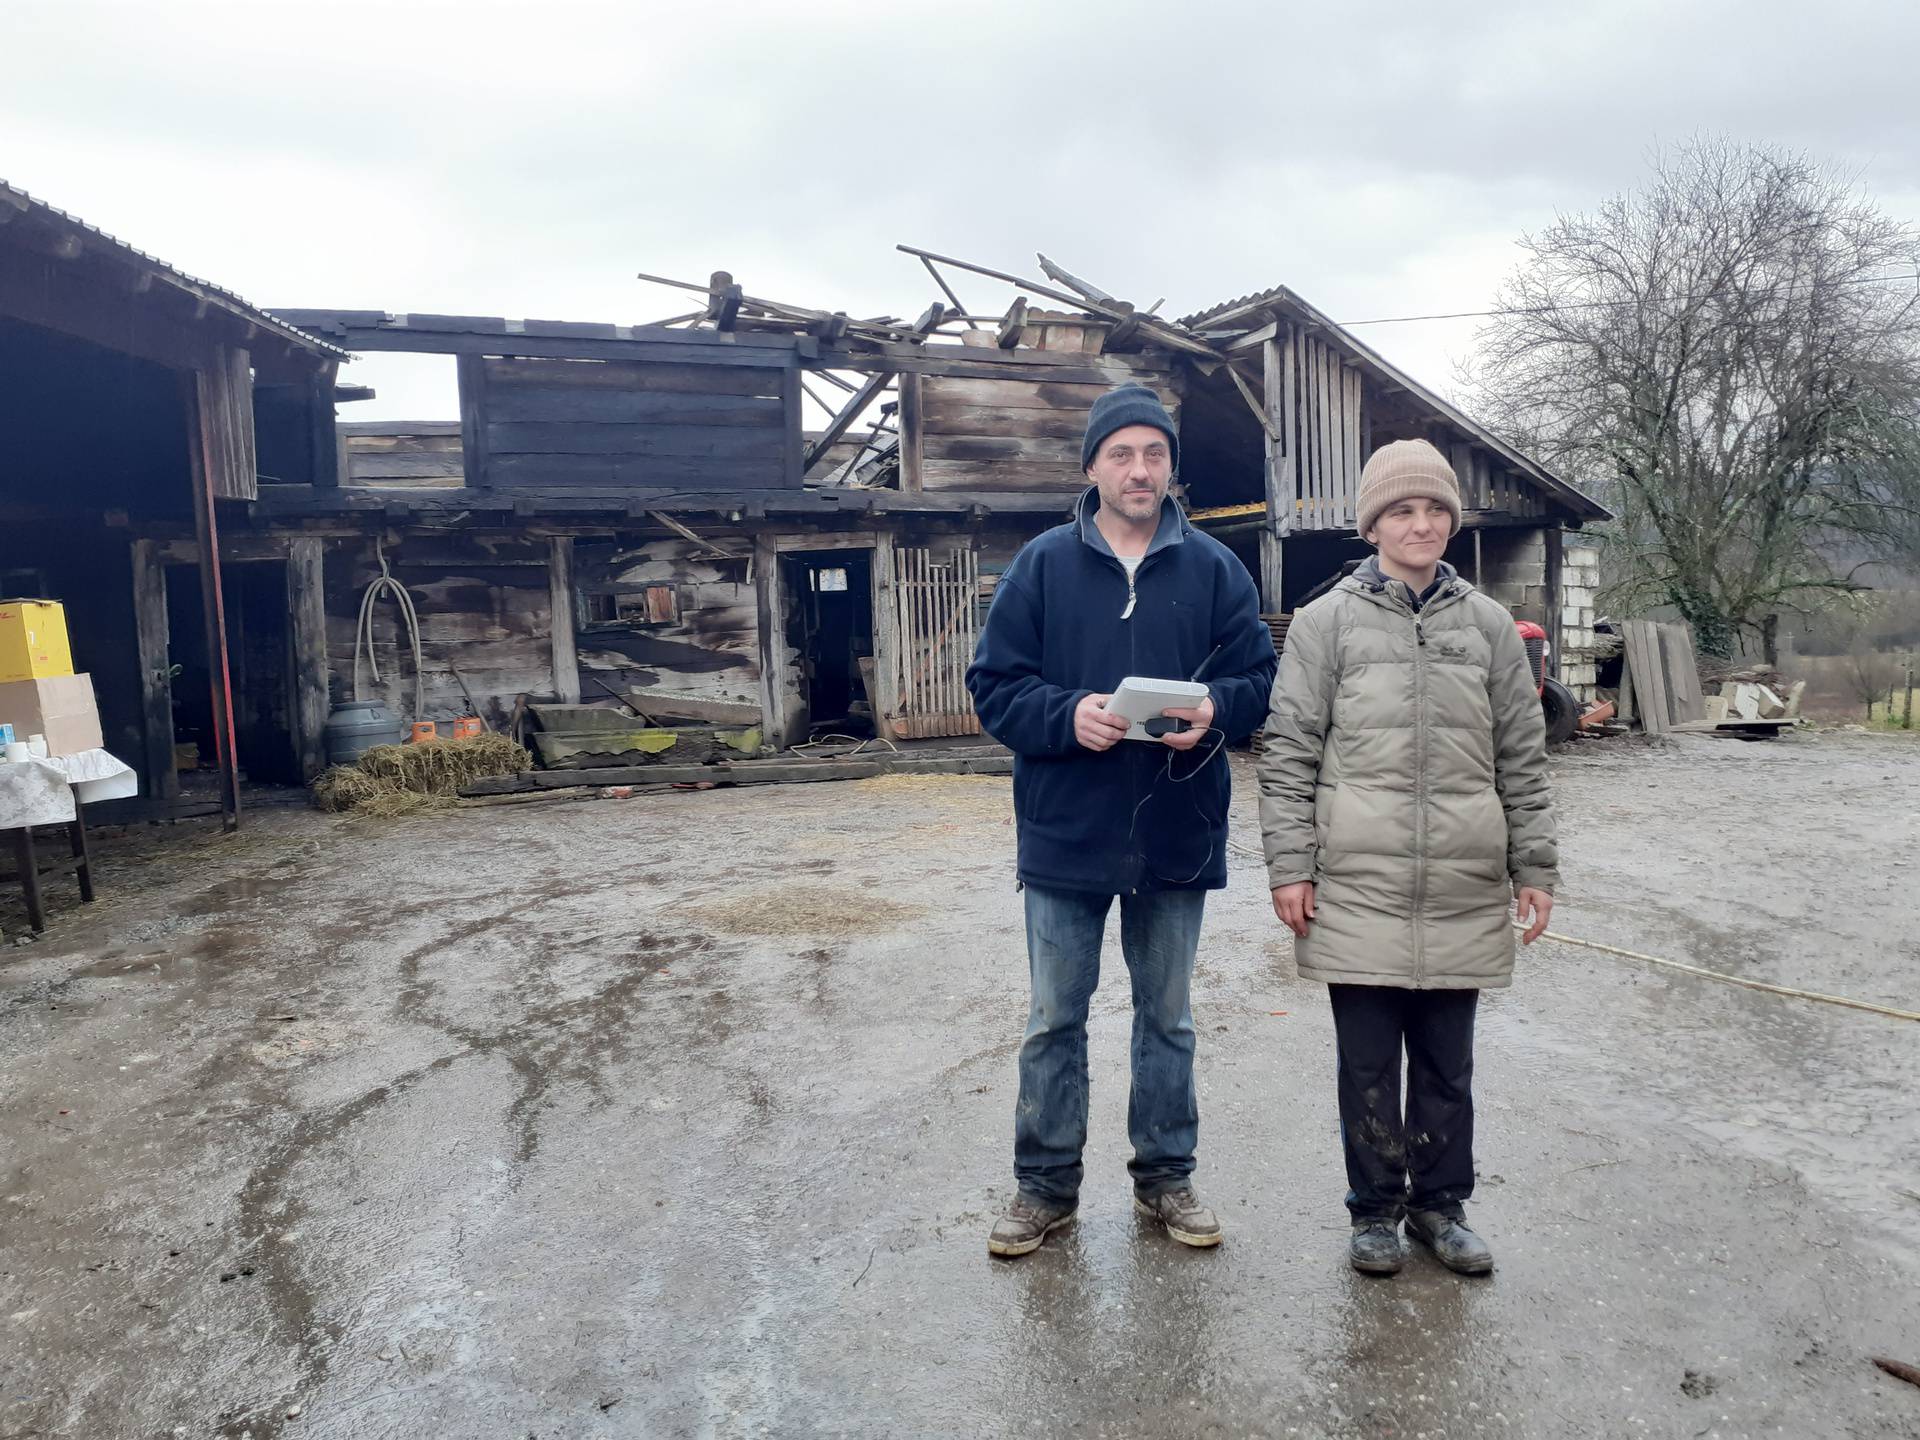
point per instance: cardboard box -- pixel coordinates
(33, 640)
(59, 707)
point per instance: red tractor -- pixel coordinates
(1557, 703)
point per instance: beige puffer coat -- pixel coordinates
(1405, 774)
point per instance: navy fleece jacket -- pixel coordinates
(1139, 816)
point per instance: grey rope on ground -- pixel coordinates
(1788, 990)
(1740, 980)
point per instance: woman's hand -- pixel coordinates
(1532, 907)
(1294, 905)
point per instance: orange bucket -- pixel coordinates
(423, 730)
(468, 727)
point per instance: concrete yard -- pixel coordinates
(685, 1115)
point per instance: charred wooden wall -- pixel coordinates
(666, 614)
(553, 425)
(992, 433)
(485, 611)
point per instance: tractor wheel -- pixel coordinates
(1562, 711)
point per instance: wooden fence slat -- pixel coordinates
(1292, 489)
(1356, 458)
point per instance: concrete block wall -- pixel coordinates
(1513, 570)
(1579, 587)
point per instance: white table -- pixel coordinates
(55, 791)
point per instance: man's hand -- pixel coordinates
(1531, 905)
(1294, 905)
(1093, 727)
(1200, 717)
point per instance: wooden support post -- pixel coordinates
(307, 629)
(794, 458)
(1553, 537)
(1279, 484)
(156, 682)
(1007, 334)
(324, 428)
(886, 639)
(773, 650)
(472, 371)
(910, 428)
(204, 454)
(566, 658)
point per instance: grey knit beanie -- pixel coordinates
(1120, 407)
(1406, 470)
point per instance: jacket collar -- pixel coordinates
(1173, 529)
(1370, 580)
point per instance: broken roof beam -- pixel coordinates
(1160, 330)
(866, 394)
(941, 281)
(1062, 276)
(1007, 335)
(723, 304)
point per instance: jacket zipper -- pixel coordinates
(1132, 762)
(1420, 801)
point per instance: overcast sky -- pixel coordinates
(526, 159)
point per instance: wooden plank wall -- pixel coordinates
(484, 609)
(225, 391)
(1487, 484)
(1000, 434)
(712, 650)
(411, 454)
(1326, 429)
(557, 423)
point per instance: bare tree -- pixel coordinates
(1730, 356)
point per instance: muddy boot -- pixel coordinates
(1025, 1223)
(1186, 1219)
(1376, 1248)
(1452, 1243)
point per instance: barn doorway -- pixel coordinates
(829, 626)
(260, 651)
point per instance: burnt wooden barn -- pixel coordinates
(142, 407)
(750, 513)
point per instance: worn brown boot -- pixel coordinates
(1026, 1222)
(1186, 1219)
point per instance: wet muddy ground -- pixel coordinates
(686, 1115)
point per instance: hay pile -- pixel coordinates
(392, 780)
(803, 910)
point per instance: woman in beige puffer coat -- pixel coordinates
(1404, 805)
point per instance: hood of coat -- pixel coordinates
(1174, 526)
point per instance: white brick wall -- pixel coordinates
(1579, 582)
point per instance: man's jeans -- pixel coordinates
(1159, 932)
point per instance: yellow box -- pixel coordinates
(33, 641)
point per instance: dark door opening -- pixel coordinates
(260, 652)
(830, 626)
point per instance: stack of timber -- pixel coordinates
(1660, 689)
(785, 770)
(581, 737)
(1277, 627)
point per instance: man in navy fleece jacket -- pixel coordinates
(1127, 587)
